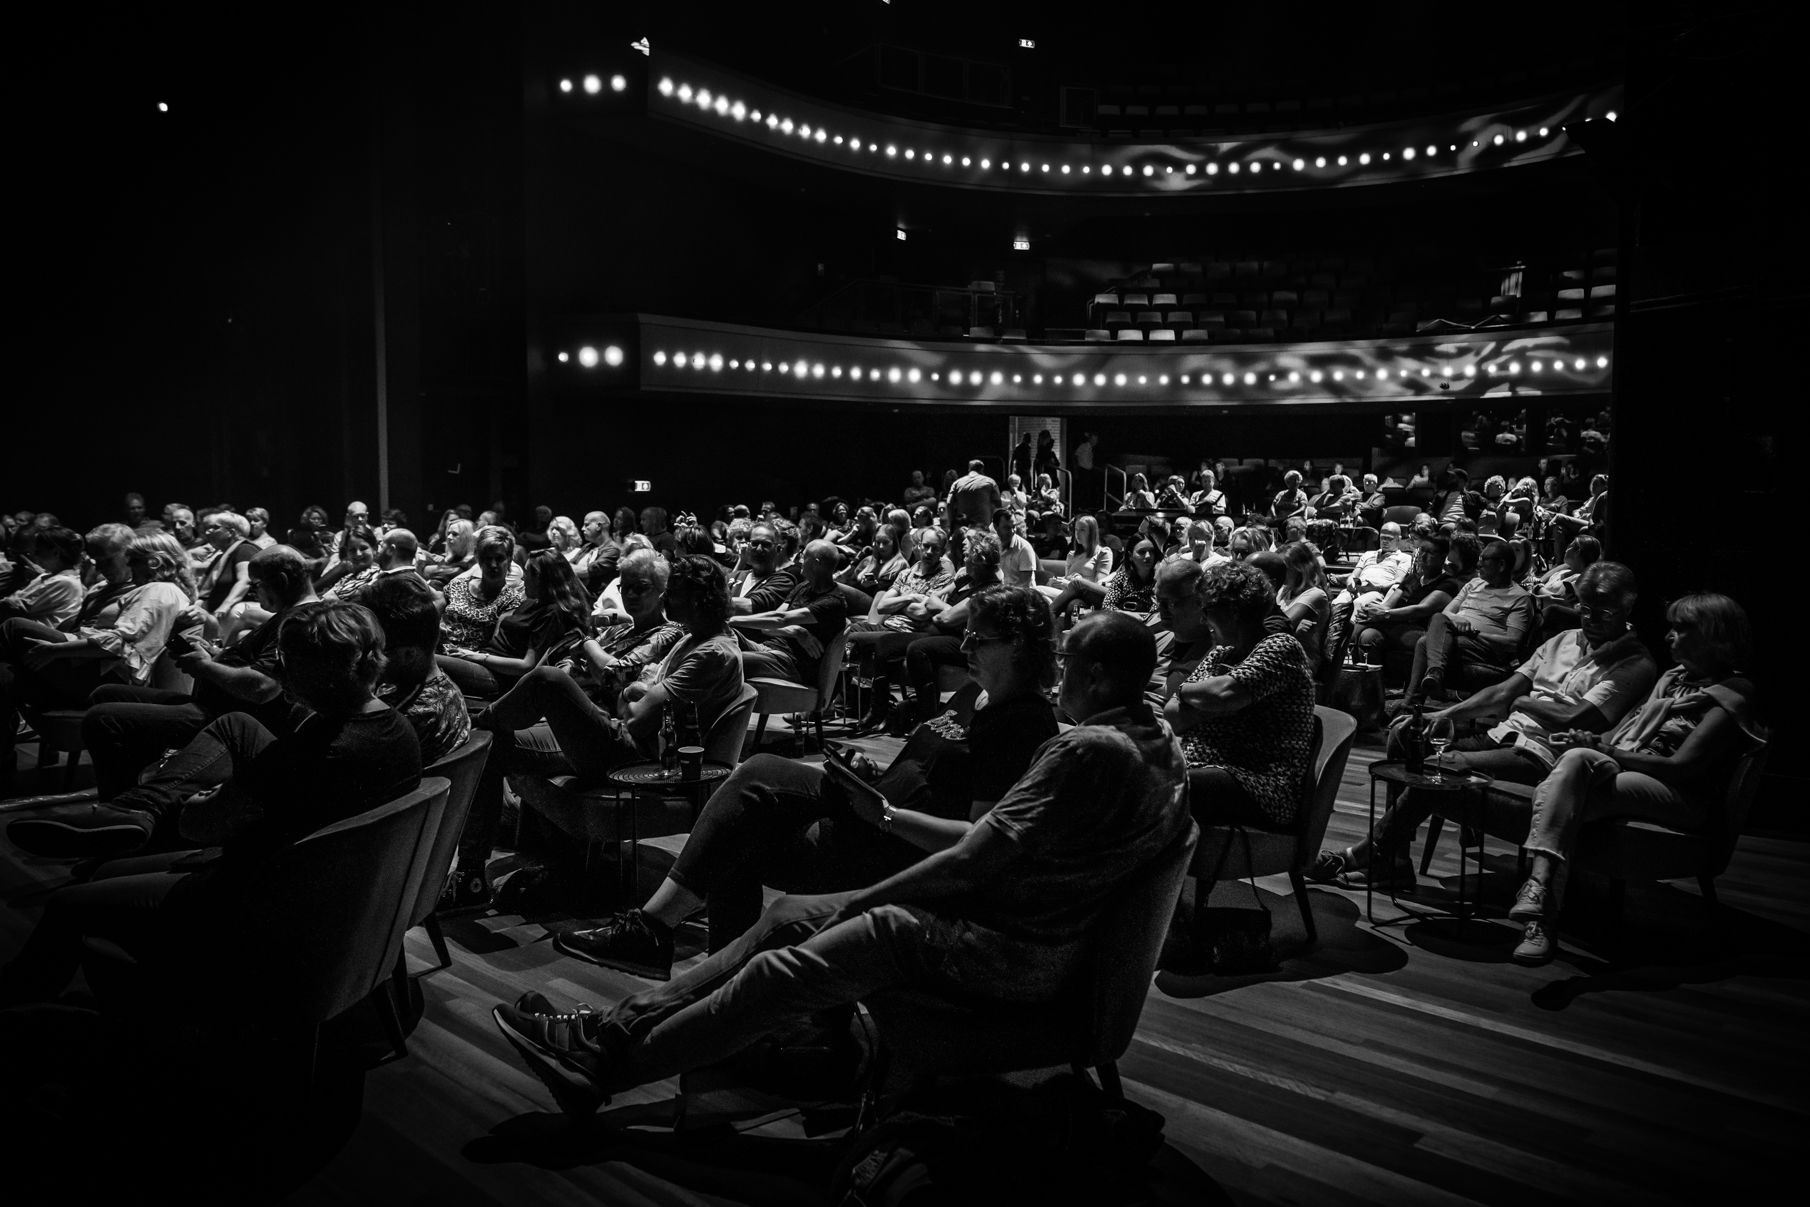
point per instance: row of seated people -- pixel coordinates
(1000, 895)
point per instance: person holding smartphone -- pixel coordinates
(779, 821)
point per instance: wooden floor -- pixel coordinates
(1401, 1062)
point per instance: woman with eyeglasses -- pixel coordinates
(777, 821)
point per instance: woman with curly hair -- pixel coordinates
(782, 822)
(1245, 714)
(45, 667)
(546, 725)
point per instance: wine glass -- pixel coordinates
(1440, 732)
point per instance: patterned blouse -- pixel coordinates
(1266, 746)
(1122, 595)
(469, 620)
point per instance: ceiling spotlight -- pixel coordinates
(1407, 152)
(665, 85)
(1609, 116)
(1342, 161)
(1065, 169)
(612, 356)
(587, 356)
(1118, 379)
(1149, 171)
(659, 358)
(948, 159)
(1544, 131)
(564, 86)
(685, 93)
(1319, 161)
(1232, 168)
(1497, 140)
(1299, 164)
(914, 375)
(739, 112)
(593, 85)
(966, 162)
(618, 83)
(1364, 158)
(1189, 169)
(564, 357)
(1520, 136)
(1432, 151)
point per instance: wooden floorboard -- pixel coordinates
(1393, 1063)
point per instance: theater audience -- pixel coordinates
(1485, 627)
(1668, 761)
(1138, 495)
(940, 645)
(782, 822)
(1130, 588)
(412, 682)
(553, 618)
(760, 582)
(128, 727)
(353, 754)
(50, 589)
(354, 560)
(897, 616)
(397, 553)
(1291, 500)
(1399, 619)
(119, 641)
(878, 566)
(790, 640)
(1018, 897)
(1584, 679)
(1088, 558)
(1306, 601)
(546, 725)
(1207, 500)
(1555, 592)
(620, 651)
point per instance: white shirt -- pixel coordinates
(1018, 564)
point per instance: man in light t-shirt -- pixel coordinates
(1017, 560)
(1486, 624)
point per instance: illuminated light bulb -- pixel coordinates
(1189, 169)
(1431, 151)
(716, 362)
(1294, 377)
(785, 127)
(1065, 169)
(659, 358)
(1514, 366)
(697, 362)
(893, 375)
(748, 365)
(1299, 164)
(948, 159)
(1602, 362)
(836, 371)
(1359, 374)
(1232, 168)
(1316, 377)
(1250, 379)
(1497, 140)
(563, 358)
(914, 376)
(1474, 142)
(1106, 169)
(1425, 372)
(1452, 147)
(816, 370)
(955, 377)
(1099, 379)
(998, 377)
(685, 93)
(772, 121)
(910, 154)
(736, 363)
(1080, 379)
(721, 106)
(678, 360)
(1382, 374)
(1444, 371)
(1142, 380)
(1579, 366)
(1338, 375)
(1490, 369)
(1470, 370)
(704, 98)
(1609, 116)
(1319, 161)
(804, 131)
(739, 112)
(1162, 380)
(854, 144)
(1227, 379)
(1520, 136)
(612, 356)
(1534, 366)
(784, 367)
(1118, 379)
(1205, 380)
(1544, 131)
(1385, 157)
(967, 162)
(1017, 379)
(1149, 171)
(766, 366)
(1407, 152)
(1342, 161)
(1272, 377)
(754, 115)
(1024, 167)
(1364, 158)
(892, 152)
(1036, 379)
(593, 85)
(564, 86)
(1087, 169)
(985, 164)
(1256, 168)
(1045, 167)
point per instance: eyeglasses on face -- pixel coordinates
(974, 640)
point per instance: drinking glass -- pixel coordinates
(1440, 732)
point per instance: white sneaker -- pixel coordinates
(1537, 944)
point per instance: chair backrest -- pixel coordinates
(462, 770)
(1333, 735)
(1743, 786)
(829, 669)
(729, 732)
(1123, 952)
(314, 930)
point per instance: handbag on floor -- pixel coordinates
(1235, 941)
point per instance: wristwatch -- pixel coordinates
(887, 813)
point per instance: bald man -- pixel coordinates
(788, 642)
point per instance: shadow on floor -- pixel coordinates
(1343, 945)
